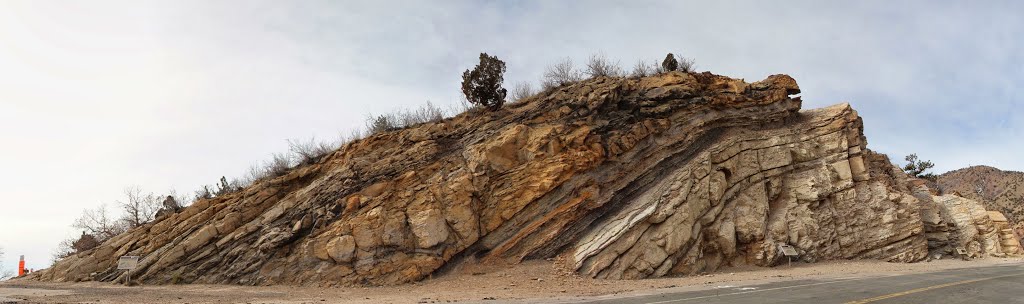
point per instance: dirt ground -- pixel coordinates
(532, 282)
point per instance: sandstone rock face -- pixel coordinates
(734, 202)
(625, 178)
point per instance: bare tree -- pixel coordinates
(561, 73)
(521, 91)
(98, 223)
(64, 249)
(139, 208)
(600, 66)
(4, 273)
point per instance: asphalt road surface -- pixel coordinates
(994, 284)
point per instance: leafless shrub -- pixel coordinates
(521, 91)
(381, 123)
(462, 106)
(424, 114)
(403, 118)
(139, 208)
(642, 69)
(182, 199)
(278, 165)
(352, 136)
(98, 223)
(686, 65)
(561, 73)
(64, 249)
(224, 187)
(600, 66)
(252, 175)
(4, 273)
(309, 151)
(203, 193)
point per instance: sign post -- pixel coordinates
(789, 252)
(962, 252)
(128, 263)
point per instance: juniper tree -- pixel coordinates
(482, 84)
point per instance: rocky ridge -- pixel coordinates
(999, 190)
(679, 173)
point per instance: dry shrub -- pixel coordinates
(686, 65)
(278, 165)
(521, 91)
(600, 66)
(309, 151)
(642, 69)
(424, 114)
(382, 123)
(561, 73)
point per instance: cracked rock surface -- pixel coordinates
(622, 178)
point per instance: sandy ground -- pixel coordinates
(532, 282)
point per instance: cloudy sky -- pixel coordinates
(99, 95)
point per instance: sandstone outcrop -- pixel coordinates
(679, 173)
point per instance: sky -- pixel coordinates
(100, 95)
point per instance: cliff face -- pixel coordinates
(621, 178)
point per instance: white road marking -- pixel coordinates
(753, 291)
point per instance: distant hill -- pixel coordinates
(997, 189)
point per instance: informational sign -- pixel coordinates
(961, 251)
(128, 262)
(788, 250)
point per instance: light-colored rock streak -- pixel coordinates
(611, 232)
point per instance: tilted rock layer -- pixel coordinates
(622, 178)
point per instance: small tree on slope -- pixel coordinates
(482, 84)
(670, 63)
(916, 167)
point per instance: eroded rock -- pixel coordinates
(625, 178)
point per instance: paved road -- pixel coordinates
(996, 284)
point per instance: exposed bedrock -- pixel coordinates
(620, 177)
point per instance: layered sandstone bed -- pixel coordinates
(620, 178)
